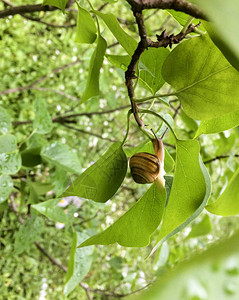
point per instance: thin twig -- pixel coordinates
(219, 157)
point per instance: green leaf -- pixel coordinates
(5, 121)
(61, 155)
(86, 29)
(205, 83)
(190, 191)
(147, 146)
(51, 210)
(153, 59)
(224, 26)
(179, 16)
(119, 61)
(92, 85)
(136, 226)
(219, 124)
(79, 262)
(201, 228)
(125, 40)
(228, 202)
(57, 3)
(101, 180)
(6, 186)
(212, 275)
(10, 159)
(60, 181)
(42, 122)
(28, 233)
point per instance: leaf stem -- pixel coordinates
(189, 21)
(160, 117)
(139, 100)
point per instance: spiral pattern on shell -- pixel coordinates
(144, 167)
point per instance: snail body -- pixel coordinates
(146, 167)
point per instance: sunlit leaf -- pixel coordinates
(190, 191)
(28, 233)
(224, 26)
(119, 61)
(61, 155)
(219, 124)
(79, 262)
(125, 40)
(42, 122)
(101, 180)
(228, 202)
(179, 16)
(201, 228)
(57, 3)
(10, 159)
(6, 186)
(136, 226)
(86, 29)
(205, 83)
(153, 59)
(92, 85)
(5, 121)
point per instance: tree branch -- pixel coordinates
(25, 9)
(178, 5)
(218, 158)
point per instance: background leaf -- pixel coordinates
(61, 155)
(28, 233)
(101, 180)
(79, 262)
(57, 3)
(228, 202)
(86, 29)
(153, 59)
(42, 122)
(201, 228)
(51, 210)
(6, 186)
(135, 227)
(205, 83)
(125, 40)
(92, 85)
(10, 159)
(5, 121)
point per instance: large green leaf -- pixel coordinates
(5, 121)
(179, 16)
(6, 186)
(219, 124)
(28, 233)
(10, 159)
(205, 83)
(101, 180)
(136, 226)
(52, 210)
(190, 191)
(151, 77)
(224, 27)
(86, 29)
(42, 122)
(79, 262)
(92, 85)
(57, 3)
(228, 202)
(119, 61)
(212, 275)
(125, 40)
(61, 155)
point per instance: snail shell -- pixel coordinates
(144, 167)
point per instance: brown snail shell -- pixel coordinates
(145, 167)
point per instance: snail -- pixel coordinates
(146, 167)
